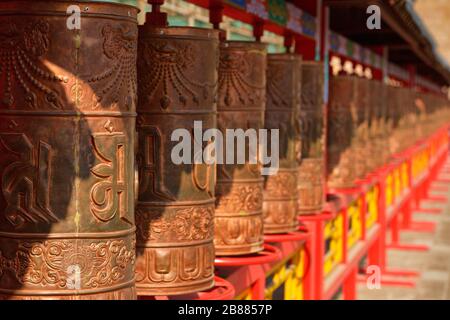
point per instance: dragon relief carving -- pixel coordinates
(22, 47)
(167, 64)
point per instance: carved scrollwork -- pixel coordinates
(45, 263)
(281, 185)
(170, 74)
(119, 46)
(187, 224)
(311, 186)
(244, 198)
(21, 47)
(235, 86)
(277, 95)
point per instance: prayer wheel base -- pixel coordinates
(240, 250)
(128, 293)
(311, 210)
(143, 291)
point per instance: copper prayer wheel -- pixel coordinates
(175, 211)
(376, 150)
(381, 108)
(311, 180)
(67, 126)
(405, 132)
(361, 121)
(394, 114)
(283, 104)
(341, 132)
(422, 116)
(239, 189)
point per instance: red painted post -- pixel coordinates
(258, 288)
(349, 286)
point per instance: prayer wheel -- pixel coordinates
(175, 211)
(376, 150)
(341, 132)
(406, 125)
(361, 144)
(311, 180)
(283, 102)
(423, 117)
(67, 127)
(393, 114)
(239, 189)
(384, 124)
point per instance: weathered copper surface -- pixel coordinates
(283, 102)
(175, 211)
(376, 154)
(393, 115)
(239, 189)
(379, 125)
(400, 102)
(311, 180)
(431, 111)
(406, 135)
(361, 145)
(424, 105)
(341, 132)
(67, 118)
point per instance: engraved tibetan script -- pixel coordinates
(26, 182)
(109, 195)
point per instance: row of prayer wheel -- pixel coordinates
(369, 122)
(93, 204)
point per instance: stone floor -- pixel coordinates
(434, 265)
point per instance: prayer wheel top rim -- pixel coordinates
(181, 32)
(98, 7)
(312, 63)
(236, 44)
(284, 57)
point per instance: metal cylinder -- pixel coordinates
(385, 125)
(403, 110)
(175, 211)
(377, 130)
(403, 135)
(283, 105)
(393, 115)
(342, 114)
(372, 148)
(311, 180)
(361, 145)
(67, 119)
(239, 189)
